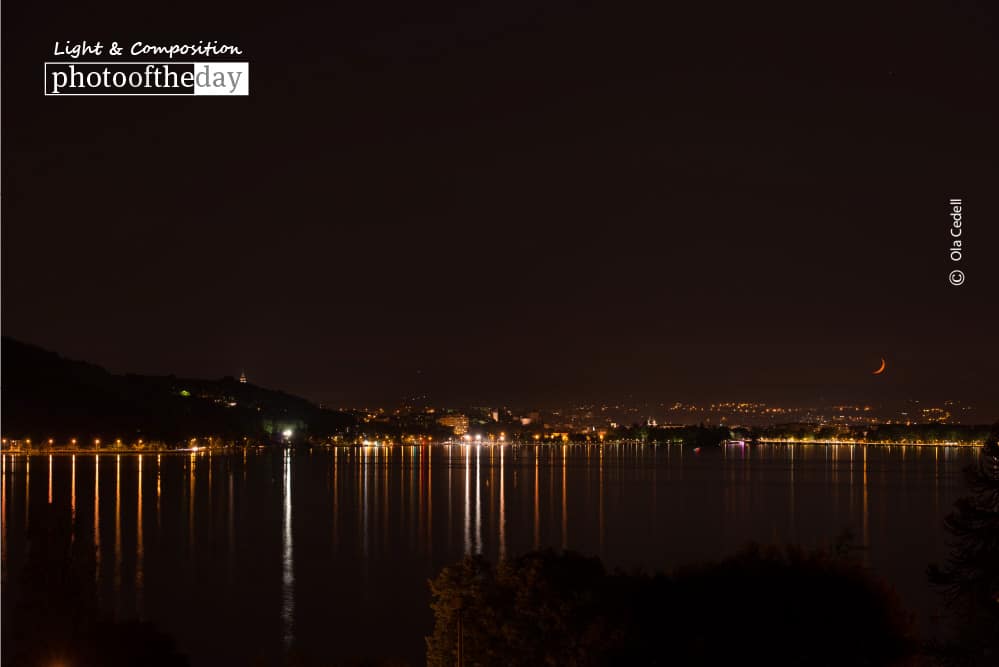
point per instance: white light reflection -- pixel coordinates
(287, 559)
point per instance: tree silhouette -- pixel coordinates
(55, 618)
(761, 606)
(969, 579)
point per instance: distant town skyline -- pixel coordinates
(625, 409)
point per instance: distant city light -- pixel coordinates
(286, 433)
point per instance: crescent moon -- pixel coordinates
(884, 366)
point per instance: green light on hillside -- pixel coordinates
(185, 393)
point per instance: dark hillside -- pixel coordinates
(47, 396)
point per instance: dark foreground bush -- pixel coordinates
(55, 619)
(969, 579)
(762, 606)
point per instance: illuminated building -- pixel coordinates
(457, 422)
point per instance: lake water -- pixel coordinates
(243, 557)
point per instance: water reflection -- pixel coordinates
(478, 499)
(117, 534)
(600, 516)
(3, 514)
(336, 496)
(502, 508)
(318, 551)
(565, 507)
(287, 558)
(430, 502)
(537, 503)
(97, 515)
(72, 499)
(468, 505)
(231, 524)
(865, 515)
(191, 474)
(139, 547)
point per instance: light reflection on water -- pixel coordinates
(287, 559)
(326, 552)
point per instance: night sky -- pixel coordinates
(525, 203)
